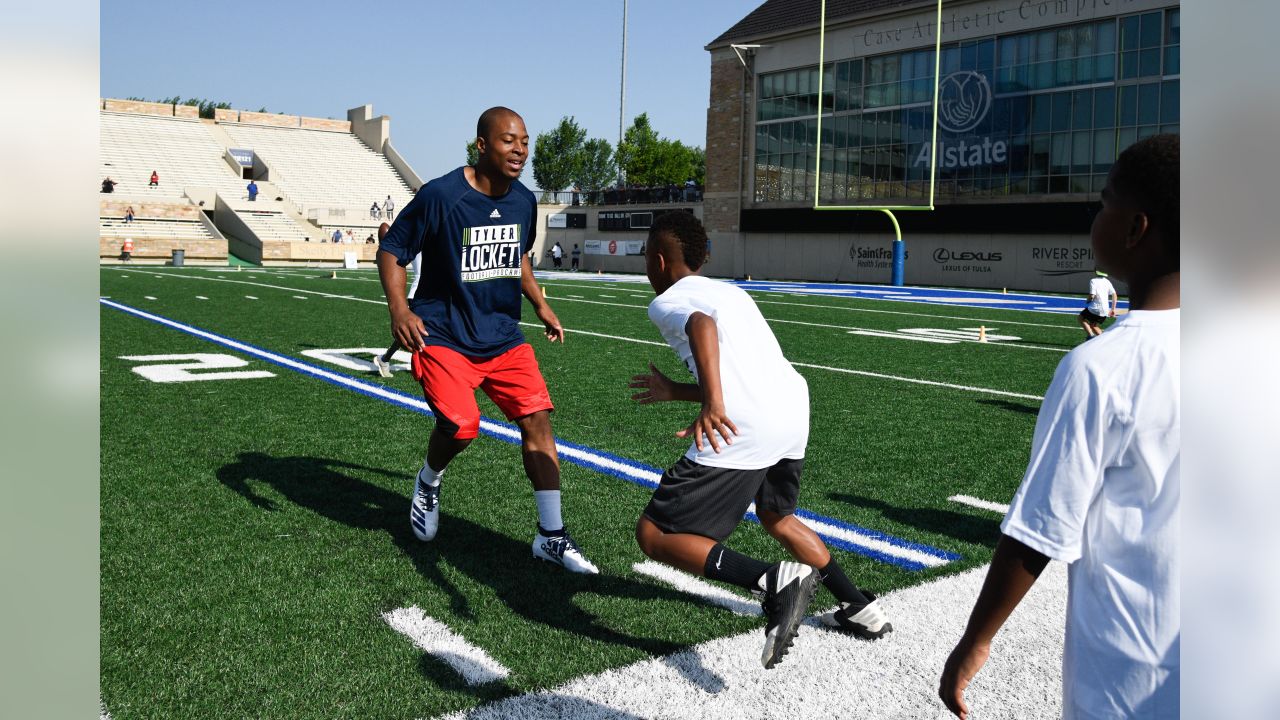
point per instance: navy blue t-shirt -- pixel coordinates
(472, 246)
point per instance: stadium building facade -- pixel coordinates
(1037, 98)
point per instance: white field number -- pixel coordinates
(164, 369)
(351, 358)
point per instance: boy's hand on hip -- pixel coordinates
(710, 421)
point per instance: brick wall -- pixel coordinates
(160, 248)
(138, 108)
(724, 141)
(261, 118)
(172, 211)
(296, 251)
(186, 111)
(326, 124)
(222, 115)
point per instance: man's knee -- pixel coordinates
(459, 431)
(535, 428)
(647, 535)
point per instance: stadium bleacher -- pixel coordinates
(153, 228)
(322, 169)
(270, 226)
(182, 151)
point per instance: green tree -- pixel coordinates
(473, 153)
(638, 152)
(556, 154)
(596, 168)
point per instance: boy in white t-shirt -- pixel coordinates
(1102, 488)
(748, 445)
(1099, 305)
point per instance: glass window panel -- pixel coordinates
(1086, 41)
(1104, 68)
(1104, 149)
(892, 68)
(969, 57)
(875, 96)
(852, 124)
(875, 70)
(1169, 129)
(1104, 107)
(1043, 77)
(1124, 138)
(1080, 183)
(1008, 54)
(1041, 118)
(1128, 106)
(1151, 29)
(1082, 112)
(1046, 43)
(766, 86)
(950, 59)
(1018, 119)
(1024, 48)
(1066, 42)
(1064, 72)
(1060, 160)
(1148, 104)
(1147, 131)
(1129, 39)
(790, 86)
(1080, 155)
(1038, 186)
(1172, 60)
(1172, 27)
(1061, 111)
(787, 137)
(803, 87)
(1059, 184)
(855, 72)
(1099, 182)
(1084, 69)
(762, 141)
(1129, 64)
(1106, 36)
(1040, 146)
(986, 54)
(1169, 93)
(1149, 62)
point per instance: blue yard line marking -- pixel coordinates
(582, 455)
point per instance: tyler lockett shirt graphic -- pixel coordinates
(490, 251)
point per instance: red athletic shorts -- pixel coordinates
(449, 381)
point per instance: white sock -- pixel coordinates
(429, 476)
(548, 509)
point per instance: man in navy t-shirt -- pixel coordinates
(474, 228)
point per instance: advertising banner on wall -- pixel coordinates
(613, 247)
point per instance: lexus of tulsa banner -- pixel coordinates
(613, 247)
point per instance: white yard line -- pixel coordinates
(917, 381)
(829, 674)
(692, 585)
(979, 503)
(436, 639)
(201, 297)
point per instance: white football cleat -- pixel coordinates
(869, 623)
(384, 367)
(424, 510)
(561, 550)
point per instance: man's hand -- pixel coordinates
(965, 662)
(554, 331)
(407, 329)
(654, 387)
(710, 421)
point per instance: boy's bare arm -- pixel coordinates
(705, 344)
(1014, 569)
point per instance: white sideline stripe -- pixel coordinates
(691, 585)
(436, 639)
(895, 677)
(250, 297)
(148, 297)
(900, 336)
(918, 381)
(850, 535)
(265, 285)
(979, 503)
(865, 373)
(201, 297)
(572, 331)
(299, 297)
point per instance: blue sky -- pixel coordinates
(431, 66)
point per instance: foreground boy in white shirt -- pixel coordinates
(1102, 489)
(748, 445)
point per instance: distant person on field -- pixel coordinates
(128, 214)
(557, 256)
(126, 250)
(351, 237)
(337, 235)
(1102, 490)
(1100, 304)
(749, 441)
(576, 256)
(473, 227)
(155, 180)
(253, 190)
(389, 208)
(375, 212)
(109, 185)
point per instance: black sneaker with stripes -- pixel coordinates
(788, 589)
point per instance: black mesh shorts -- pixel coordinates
(710, 501)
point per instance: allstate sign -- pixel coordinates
(964, 101)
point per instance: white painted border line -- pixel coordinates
(693, 585)
(436, 639)
(917, 381)
(979, 503)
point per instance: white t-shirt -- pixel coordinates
(1102, 493)
(1100, 292)
(556, 251)
(764, 396)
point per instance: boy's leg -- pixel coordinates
(776, 502)
(516, 386)
(448, 382)
(696, 507)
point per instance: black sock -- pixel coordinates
(840, 586)
(734, 568)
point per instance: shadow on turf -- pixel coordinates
(1013, 406)
(968, 528)
(536, 591)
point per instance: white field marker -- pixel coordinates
(436, 639)
(250, 297)
(149, 297)
(201, 297)
(979, 503)
(300, 297)
(689, 584)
